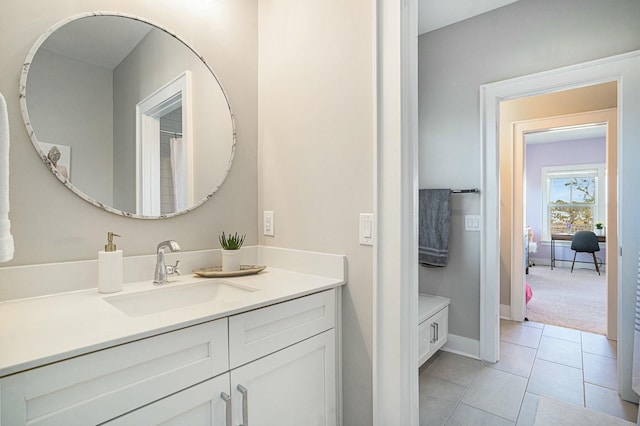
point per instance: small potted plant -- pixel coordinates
(599, 229)
(231, 251)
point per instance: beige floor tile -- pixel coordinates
(438, 399)
(496, 392)
(528, 409)
(515, 359)
(455, 368)
(521, 335)
(533, 324)
(465, 415)
(607, 401)
(600, 370)
(561, 333)
(557, 381)
(468, 392)
(599, 345)
(428, 362)
(560, 351)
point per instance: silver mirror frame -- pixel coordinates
(49, 164)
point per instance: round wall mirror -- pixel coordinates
(127, 115)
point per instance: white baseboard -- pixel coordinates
(462, 346)
(505, 312)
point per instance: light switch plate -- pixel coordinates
(268, 225)
(367, 229)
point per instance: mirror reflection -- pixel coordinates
(127, 115)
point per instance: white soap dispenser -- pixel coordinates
(110, 267)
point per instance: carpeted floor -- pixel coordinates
(575, 300)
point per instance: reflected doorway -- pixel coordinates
(164, 177)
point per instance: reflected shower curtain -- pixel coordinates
(177, 170)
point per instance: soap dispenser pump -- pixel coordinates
(110, 267)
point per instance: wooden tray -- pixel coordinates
(216, 271)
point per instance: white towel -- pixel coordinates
(6, 239)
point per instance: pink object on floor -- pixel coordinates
(528, 292)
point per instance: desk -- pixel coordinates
(566, 237)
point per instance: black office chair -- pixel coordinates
(585, 242)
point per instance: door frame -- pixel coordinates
(395, 259)
(625, 69)
(172, 95)
(608, 117)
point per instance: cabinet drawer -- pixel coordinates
(263, 331)
(93, 388)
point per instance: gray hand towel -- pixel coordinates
(434, 224)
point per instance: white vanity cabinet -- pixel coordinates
(433, 325)
(295, 384)
(277, 364)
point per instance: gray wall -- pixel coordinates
(59, 88)
(519, 39)
(49, 222)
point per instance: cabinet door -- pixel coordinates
(432, 335)
(439, 329)
(424, 342)
(201, 404)
(294, 386)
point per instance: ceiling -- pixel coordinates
(84, 39)
(80, 39)
(434, 14)
(567, 134)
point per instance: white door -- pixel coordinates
(294, 386)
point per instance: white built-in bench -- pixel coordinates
(433, 325)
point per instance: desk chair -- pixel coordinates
(585, 242)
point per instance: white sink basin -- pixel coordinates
(168, 297)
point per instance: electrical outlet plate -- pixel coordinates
(472, 222)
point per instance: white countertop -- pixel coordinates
(429, 305)
(45, 329)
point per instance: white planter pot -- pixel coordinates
(599, 232)
(230, 260)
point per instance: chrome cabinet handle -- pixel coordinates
(435, 327)
(227, 401)
(245, 405)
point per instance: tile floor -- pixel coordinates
(535, 359)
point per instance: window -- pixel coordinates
(574, 198)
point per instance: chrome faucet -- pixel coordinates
(162, 271)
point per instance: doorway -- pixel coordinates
(165, 114)
(512, 194)
(616, 68)
(565, 178)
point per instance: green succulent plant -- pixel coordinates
(231, 242)
(599, 225)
